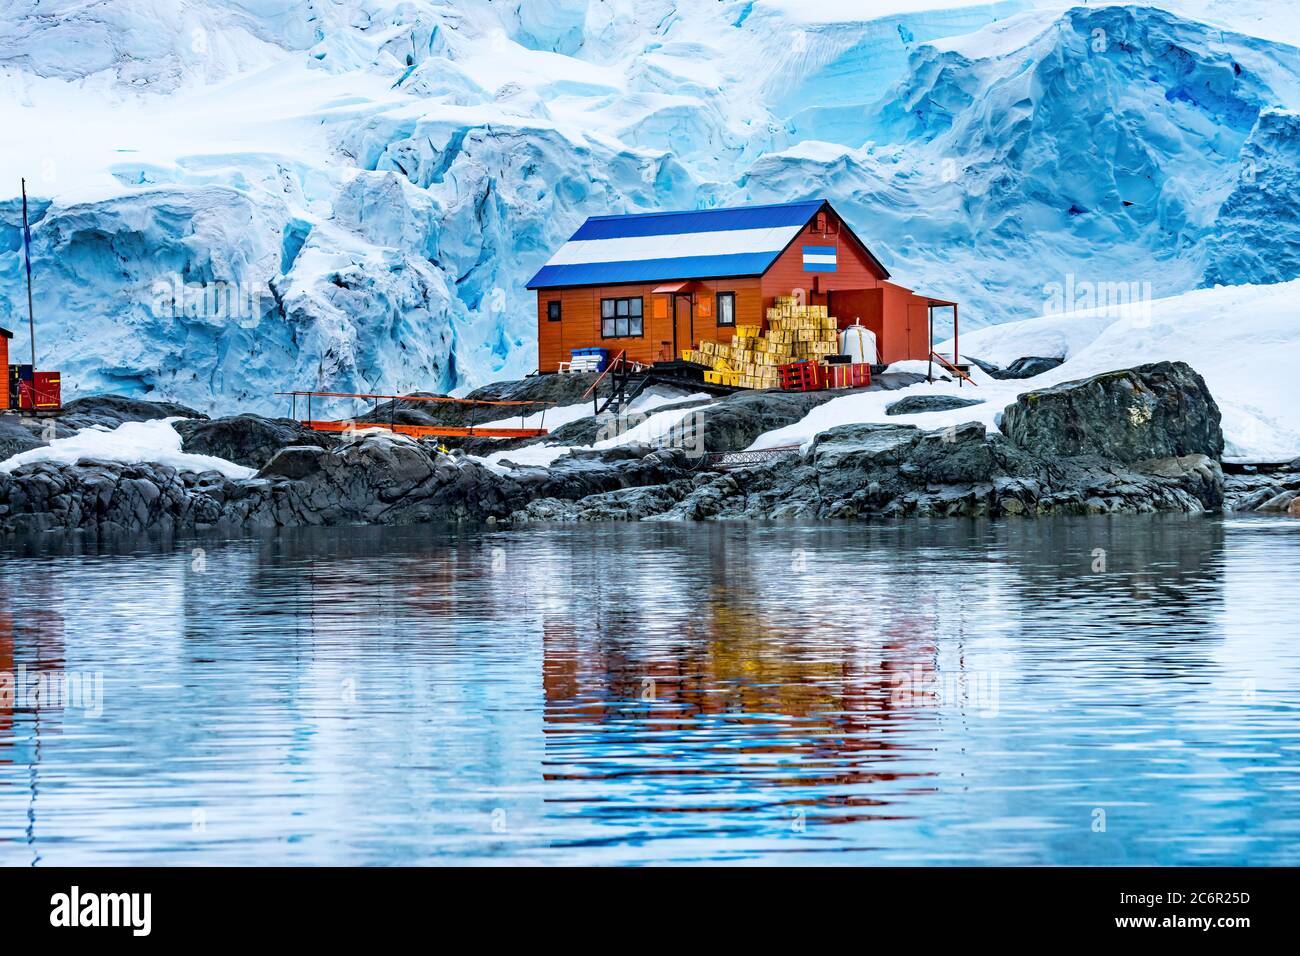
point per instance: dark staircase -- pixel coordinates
(625, 385)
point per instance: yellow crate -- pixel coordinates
(721, 378)
(748, 331)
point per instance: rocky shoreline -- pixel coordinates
(1132, 441)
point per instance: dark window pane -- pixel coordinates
(636, 306)
(606, 308)
(607, 328)
(726, 308)
(553, 311)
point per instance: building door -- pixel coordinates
(683, 324)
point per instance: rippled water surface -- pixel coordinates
(1090, 691)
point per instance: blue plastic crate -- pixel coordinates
(603, 355)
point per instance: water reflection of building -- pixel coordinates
(31, 646)
(740, 691)
(6, 693)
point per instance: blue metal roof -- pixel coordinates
(690, 244)
(696, 220)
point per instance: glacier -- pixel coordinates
(370, 183)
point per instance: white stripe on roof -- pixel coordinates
(676, 246)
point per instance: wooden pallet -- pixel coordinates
(802, 377)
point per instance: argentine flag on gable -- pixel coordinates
(818, 258)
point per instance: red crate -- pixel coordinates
(854, 375)
(802, 377)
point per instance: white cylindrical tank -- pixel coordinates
(859, 342)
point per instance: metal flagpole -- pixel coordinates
(27, 249)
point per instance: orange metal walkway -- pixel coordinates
(415, 431)
(428, 431)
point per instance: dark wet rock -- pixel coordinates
(987, 367)
(1166, 438)
(1279, 502)
(16, 437)
(735, 423)
(1029, 366)
(583, 431)
(882, 470)
(559, 389)
(543, 389)
(109, 411)
(624, 504)
(583, 473)
(891, 381)
(1026, 367)
(1256, 489)
(731, 423)
(917, 404)
(1163, 410)
(96, 495)
(247, 440)
(372, 479)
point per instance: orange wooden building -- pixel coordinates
(655, 284)
(5, 336)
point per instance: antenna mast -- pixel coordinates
(27, 249)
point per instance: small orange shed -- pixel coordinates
(653, 284)
(5, 336)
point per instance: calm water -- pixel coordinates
(945, 692)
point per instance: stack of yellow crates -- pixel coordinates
(795, 332)
(802, 331)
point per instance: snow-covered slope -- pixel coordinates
(232, 198)
(131, 442)
(1242, 339)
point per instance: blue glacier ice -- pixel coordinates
(351, 196)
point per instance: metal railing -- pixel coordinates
(952, 368)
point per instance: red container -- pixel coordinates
(855, 375)
(802, 377)
(46, 391)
